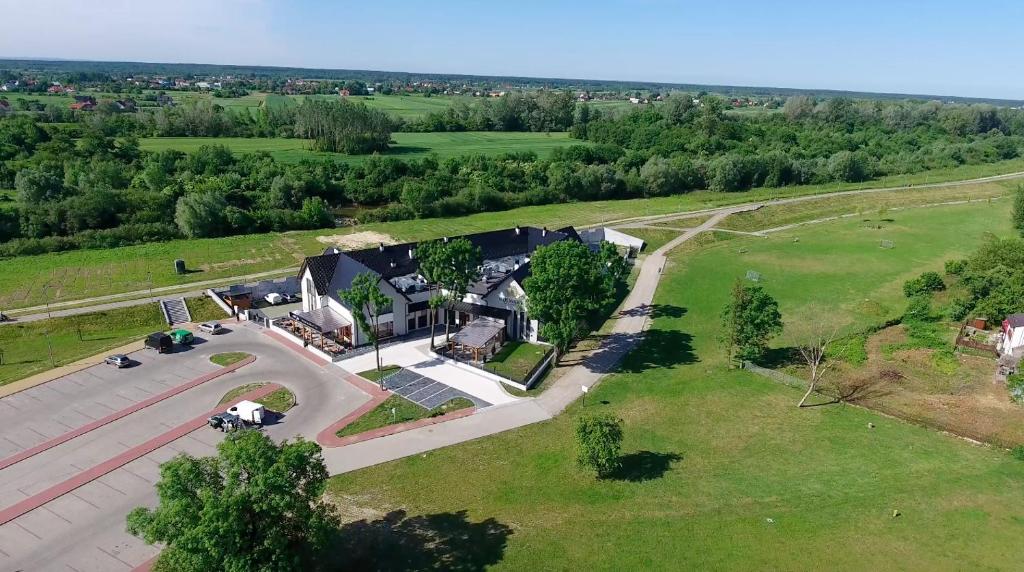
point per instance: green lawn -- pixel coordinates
(403, 412)
(406, 145)
(516, 359)
(720, 470)
(279, 400)
(228, 358)
(25, 346)
(374, 375)
(32, 280)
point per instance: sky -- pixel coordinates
(936, 47)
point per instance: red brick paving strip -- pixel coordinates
(301, 350)
(39, 499)
(64, 438)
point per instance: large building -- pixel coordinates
(497, 299)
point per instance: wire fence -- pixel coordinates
(783, 378)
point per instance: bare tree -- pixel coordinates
(819, 353)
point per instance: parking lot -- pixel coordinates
(88, 521)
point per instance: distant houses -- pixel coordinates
(83, 103)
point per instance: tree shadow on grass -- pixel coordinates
(655, 311)
(776, 358)
(443, 541)
(644, 466)
(660, 349)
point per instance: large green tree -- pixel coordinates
(201, 214)
(598, 442)
(749, 320)
(255, 506)
(567, 284)
(367, 302)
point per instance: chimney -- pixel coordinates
(411, 253)
(446, 240)
(544, 231)
(517, 230)
(393, 264)
(381, 247)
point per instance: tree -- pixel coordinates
(201, 214)
(342, 126)
(462, 260)
(1018, 210)
(566, 284)
(431, 256)
(749, 320)
(816, 352)
(255, 506)
(598, 442)
(366, 301)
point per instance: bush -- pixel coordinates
(1015, 385)
(924, 284)
(1017, 452)
(598, 441)
(955, 267)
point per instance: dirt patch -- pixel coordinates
(914, 385)
(356, 240)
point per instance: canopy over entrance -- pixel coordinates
(323, 320)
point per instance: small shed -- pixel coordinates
(237, 296)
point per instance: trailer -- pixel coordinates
(249, 412)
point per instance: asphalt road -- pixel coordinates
(84, 529)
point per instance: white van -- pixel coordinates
(249, 412)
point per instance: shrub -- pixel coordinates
(924, 284)
(956, 267)
(1015, 385)
(598, 441)
(1017, 452)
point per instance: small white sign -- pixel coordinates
(584, 388)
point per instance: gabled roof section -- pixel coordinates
(1016, 320)
(394, 260)
(321, 268)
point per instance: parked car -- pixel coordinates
(212, 328)
(225, 422)
(183, 337)
(290, 298)
(118, 361)
(160, 342)
(274, 298)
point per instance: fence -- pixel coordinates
(778, 376)
(964, 341)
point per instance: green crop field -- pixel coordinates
(407, 145)
(720, 470)
(34, 280)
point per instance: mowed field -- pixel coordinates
(34, 280)
(406, 146)
(720, 470)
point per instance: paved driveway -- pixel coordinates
(84, 529)
(416, 357)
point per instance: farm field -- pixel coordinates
(720, 469)
(407, 145)
(35, 280)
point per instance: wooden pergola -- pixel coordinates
(478, 338)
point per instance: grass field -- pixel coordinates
(34, 280)
(720, 469)
(407, 145)
(396, 409)
(516, 359)
(279, 401)
(228, 358)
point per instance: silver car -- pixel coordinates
(212, 328)
(118, 360)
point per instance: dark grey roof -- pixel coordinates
(394, 260)
(478, 333)
(321, 319)
(479, 310)
(1016, 320)
(390, 261)
(321, 268)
